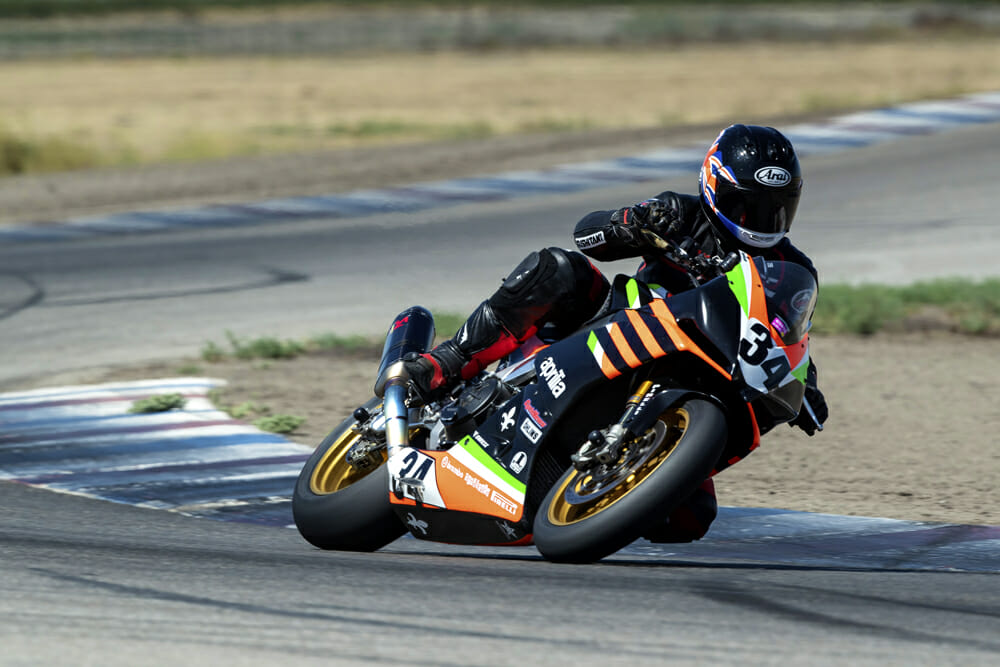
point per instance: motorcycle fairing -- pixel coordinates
(773, 370)
(482, 480)
(463, 477)
(485, 502)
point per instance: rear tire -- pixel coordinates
(587, 516)
(337, 507)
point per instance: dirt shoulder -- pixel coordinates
(908, 437)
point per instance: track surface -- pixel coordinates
(126, 585)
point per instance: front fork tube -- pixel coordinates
(606, 447)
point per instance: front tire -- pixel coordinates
(338, 507)
(589, 515)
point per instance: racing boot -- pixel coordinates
(690, 521)
(478, 343)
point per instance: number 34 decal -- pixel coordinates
(764, 366)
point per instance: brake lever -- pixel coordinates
(812, 414)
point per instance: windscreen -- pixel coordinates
(791, 297)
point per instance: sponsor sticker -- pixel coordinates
(519, 461)
(478, 437)
(472, 480)
(534, 414)
(530, 431)
(451, 467)
(503, 502)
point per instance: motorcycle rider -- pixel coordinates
(749, 188)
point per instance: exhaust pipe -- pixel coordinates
(411, 331)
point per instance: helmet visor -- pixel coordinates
(761, 212)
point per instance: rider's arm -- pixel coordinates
(610, 235)
(605, 236)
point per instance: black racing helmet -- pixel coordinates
(750, 184)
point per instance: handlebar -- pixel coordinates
(700, 267)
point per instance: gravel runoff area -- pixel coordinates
(911, 417)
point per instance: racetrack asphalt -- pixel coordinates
(93, 582)
(118, 584)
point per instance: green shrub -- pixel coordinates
(349, 344)
(954, 304)
(212, 353)
(279, 423)
(264, 348)
(160, 403)
(22, 155)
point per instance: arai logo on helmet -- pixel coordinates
(773, 176)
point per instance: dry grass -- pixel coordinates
(154, 110)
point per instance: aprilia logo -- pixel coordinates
(553, 377)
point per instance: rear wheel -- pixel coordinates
(339, 507)
(588, 515)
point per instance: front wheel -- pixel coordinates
(338, 507)
(588, 515)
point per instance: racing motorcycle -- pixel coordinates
(577, 445)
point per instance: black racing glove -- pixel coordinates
(816, 401)
(651, 214)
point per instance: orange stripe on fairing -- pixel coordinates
(608, 368)
(465, 491)
(645, 335)
(623, 347)
(758, 300)
(680, 339)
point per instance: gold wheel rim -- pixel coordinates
(333, 472)
(561, 512)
